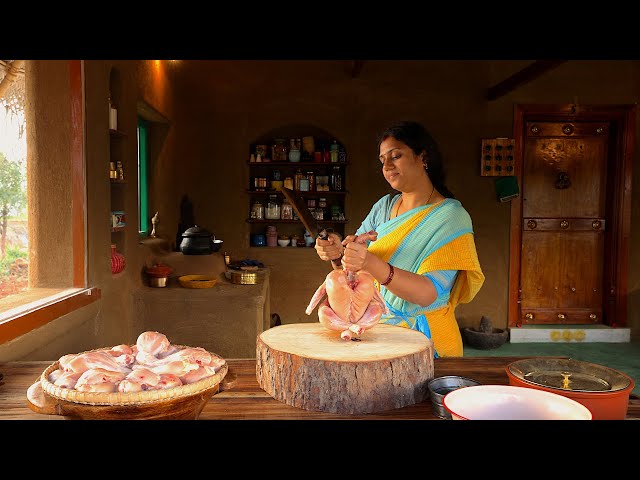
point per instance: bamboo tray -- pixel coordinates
(179, 403)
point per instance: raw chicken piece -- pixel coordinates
(154, 343)
(67, 379)
(144, 376)
(98, 359)
(199, 374)
(104, 387)
(353, 302)
(53, 376)
(172, 349)
(99, 375)
(128, 386)
(179, 368)
(168, 381)
(122, 354)
(120, 349)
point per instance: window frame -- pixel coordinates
(35, 313)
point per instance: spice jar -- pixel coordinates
(288, 183)
(272, 236)
(294, 150)
(286, 211)
(272, 211)
(280, 150)
(257, 210)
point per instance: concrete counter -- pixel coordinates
(225, 319)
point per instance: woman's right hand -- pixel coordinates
(331, 248)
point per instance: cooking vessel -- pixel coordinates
(307, 219)
(199, 241)
(603, 390)
(158, 275)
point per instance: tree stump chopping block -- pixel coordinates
(308, 366)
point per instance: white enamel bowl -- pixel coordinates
(507, 402)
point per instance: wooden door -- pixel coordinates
(563, 220)
(569, 240)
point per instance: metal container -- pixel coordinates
(603, 390)
(199, 241)
(242, 277)
(440, 386)
(158, 282)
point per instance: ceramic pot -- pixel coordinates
(117, 260)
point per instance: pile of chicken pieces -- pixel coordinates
(151, 364)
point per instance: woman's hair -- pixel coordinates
(416, 137)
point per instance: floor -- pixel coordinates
(624, 357)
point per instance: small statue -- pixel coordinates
(154, 222)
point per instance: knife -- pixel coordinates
(310, 223)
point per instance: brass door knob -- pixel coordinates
(593, 316)
(564, 224)
(596, 224)
(561, 316)
(532, 224)
(529, 316)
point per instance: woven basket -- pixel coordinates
(130, 398)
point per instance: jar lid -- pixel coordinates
(159, 270)
(196, 231)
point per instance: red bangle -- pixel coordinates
(390, 277)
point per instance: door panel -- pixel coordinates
(563, 222)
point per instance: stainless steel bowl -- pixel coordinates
(440, 386)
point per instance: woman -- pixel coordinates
(424, 259)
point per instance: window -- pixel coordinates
(143, 198)
(14, 231)
(57, 282)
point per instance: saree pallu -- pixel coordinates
(426, 239)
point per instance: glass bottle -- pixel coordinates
(336, 179)
(333, 151)
(272, 211)
(286, 211)
(120, 171)
(294, 150)
(257, 210)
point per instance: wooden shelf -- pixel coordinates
(298, 192)
(302, 164)
(253, 220)
(116, 133)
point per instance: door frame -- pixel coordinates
(618, 214)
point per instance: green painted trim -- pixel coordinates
(143, 196)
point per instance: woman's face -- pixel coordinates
(400, 166)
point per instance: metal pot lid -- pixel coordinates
(196, 231)
(569, 374)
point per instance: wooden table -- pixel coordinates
(245, 400)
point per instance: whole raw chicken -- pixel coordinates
(353, 302)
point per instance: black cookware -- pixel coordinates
(199, 241)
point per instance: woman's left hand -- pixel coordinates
(355, 254)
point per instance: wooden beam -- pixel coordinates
(524, 76)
